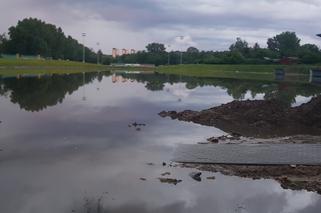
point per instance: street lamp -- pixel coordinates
(98, 52)
(168, 62)
(181, 38)
(83, 48)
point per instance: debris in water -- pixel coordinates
(143, 179)
(166, 173)
(211, 178)
(196, 176)
(169, 180)
(150, 164)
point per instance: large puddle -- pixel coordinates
(68, 145)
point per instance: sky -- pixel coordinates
(205, 24)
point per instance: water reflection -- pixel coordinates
(63, 154)
(36, 94)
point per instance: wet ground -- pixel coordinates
(69, 144)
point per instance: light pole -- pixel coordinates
(83, 48)
(168, 62)
(181, 52)
(98, 52)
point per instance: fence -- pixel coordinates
(18, 56)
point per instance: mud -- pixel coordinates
(262, 121)
(258, 118)
(290, 177)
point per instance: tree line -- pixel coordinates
(32, 36)
(280, 47)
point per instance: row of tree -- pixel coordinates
(284, 45)
(34, 37)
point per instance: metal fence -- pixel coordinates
(18, 56)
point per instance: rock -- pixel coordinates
(166, 173)
(143, 179)
(196, 176)
(293, 166)
(169, 180)
(164, 164)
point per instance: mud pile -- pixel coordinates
(258, 118)
(290, 177)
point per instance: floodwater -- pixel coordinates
(68, 145)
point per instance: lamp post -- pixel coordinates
(181, 52)
(83, 48)
(98, 52)
(168, 62)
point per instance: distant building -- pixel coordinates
(117, 52)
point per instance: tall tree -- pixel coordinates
(240, 45)
(155, 48)
(3, 41)
(192, 50)
(285, 44)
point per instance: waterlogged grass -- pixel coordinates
(255, 72)
(11, 67)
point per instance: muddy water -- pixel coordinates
(68, 145)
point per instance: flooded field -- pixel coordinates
(95, 143)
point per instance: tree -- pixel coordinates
(192, 50)
(155, 48)
(3, 41)
(285, 44)
(310, 53)
(240, 45)
(32, 36)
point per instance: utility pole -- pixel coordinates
(83, 48)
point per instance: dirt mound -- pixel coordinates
(258, 118)
(290, 177)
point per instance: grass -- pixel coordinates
(234, 71)
(10, 67)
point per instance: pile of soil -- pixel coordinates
(258, 118)
(290, 177)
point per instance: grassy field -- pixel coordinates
(254, 72)
(10, 67)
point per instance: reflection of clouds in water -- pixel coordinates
(178, 89)
(297, 201)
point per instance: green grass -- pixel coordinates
(10, 67)
(254, 72)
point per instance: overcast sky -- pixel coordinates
(206, 24)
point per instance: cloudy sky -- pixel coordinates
(206, 24)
